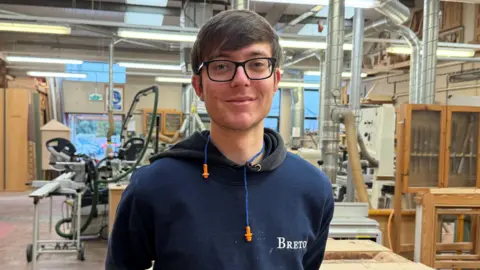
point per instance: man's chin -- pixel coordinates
(240, 125)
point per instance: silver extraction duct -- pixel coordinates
(55, 99)
(333, 83)
(187, 95)
(240, 4)
(394, 10)
(356, 83)
(298, 116)
(431, 26)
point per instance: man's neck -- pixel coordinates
(238, 146)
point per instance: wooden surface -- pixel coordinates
(364, 254)
(114, 195)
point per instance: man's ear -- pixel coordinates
(197, 85)
(278, 77)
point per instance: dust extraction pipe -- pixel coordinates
(111, 123)
(240, 4)
(431, 11)
(348, 120)
(333, 84)
(298, 116)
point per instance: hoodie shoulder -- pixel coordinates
(307, 169)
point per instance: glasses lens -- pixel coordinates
(221, 70)
(258, 69)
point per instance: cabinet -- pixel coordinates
(438, 147)
(169, 121)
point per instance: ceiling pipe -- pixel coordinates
(431, 27)
(300, 18)
(395, 12)
(240, 4)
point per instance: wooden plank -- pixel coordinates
(465, 257)
(2, 150)
(374, 266)
(17, 136)
(354, 246)
(457, 264)
(463, 246)
(428, 227)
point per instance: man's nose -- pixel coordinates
(240, 78)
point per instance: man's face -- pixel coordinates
(241, 103)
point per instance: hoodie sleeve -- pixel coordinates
(314, 256)
(131, 245)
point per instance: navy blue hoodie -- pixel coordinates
(172, 215)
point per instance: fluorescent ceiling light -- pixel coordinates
(149, 66)
(441, 52)
(27, 59)
(56, 74)
(348, 3)
(35, 28)
(284, 84)
(153, 35)
(190, 38)
(344, 74)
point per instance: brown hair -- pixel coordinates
(233, 30)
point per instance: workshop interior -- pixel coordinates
(380, 95)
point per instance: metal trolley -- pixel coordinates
(60, 186)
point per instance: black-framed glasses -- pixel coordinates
(225, 70)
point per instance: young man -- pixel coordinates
(232, 197)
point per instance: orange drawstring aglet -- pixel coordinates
(249, 234)
(205, 171)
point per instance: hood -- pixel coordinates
(193, 147)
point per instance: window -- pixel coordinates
(312, 104)
(97, 72)
(89, 133)
(273, 119)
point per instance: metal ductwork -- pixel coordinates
(187, 96)
(333, 84)
(431, 26)
(298, 116)
(240, 4)
(55, 98)
(415, 64)
(394, 10)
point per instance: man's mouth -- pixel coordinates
(241, 100)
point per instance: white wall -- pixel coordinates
(76, 97)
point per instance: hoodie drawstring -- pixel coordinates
(205, 165)
(248, 230)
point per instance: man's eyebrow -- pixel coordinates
(257, 53)
(218, 55)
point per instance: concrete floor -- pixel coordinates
(16, 227)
